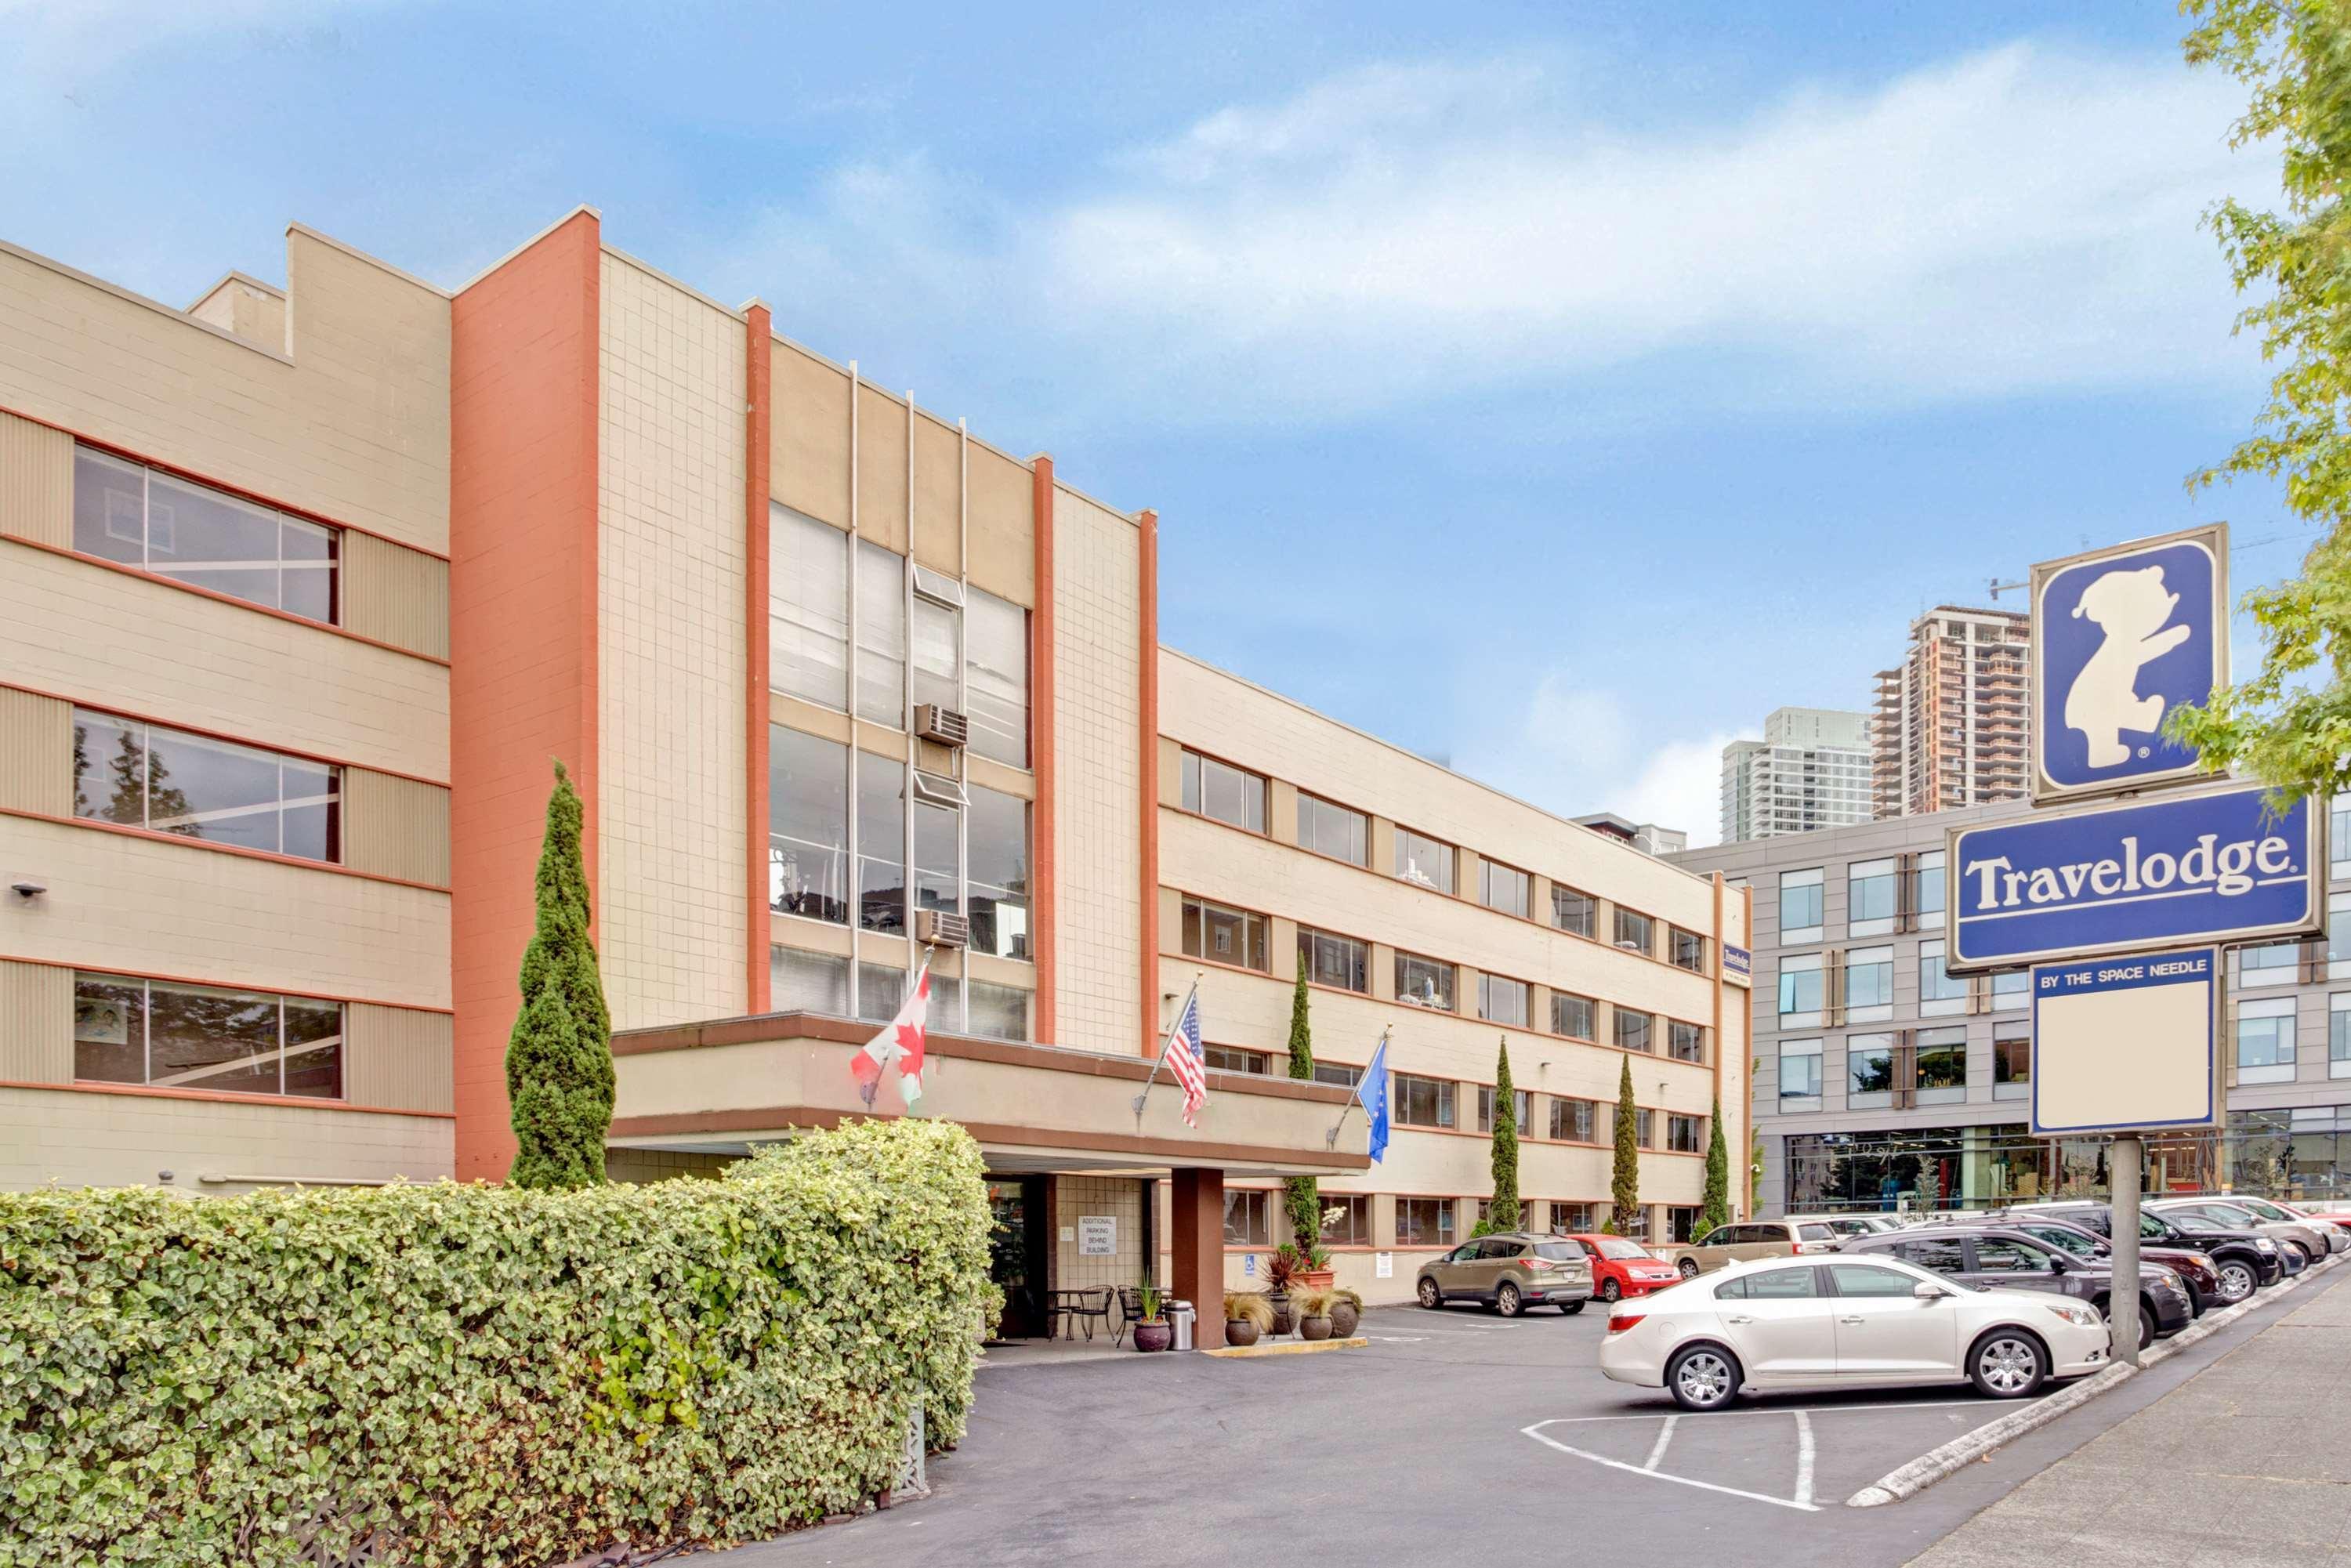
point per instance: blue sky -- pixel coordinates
(1556, 390)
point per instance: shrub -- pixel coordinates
(483, 1374)
(1248, 1307)
(1314, 1301)
(559, 1056)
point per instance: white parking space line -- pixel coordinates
(1664, 1436)
(1536, 1433)
(1777, 1410)
(1803, 1456)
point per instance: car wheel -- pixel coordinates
(2007, 1363)
(1702, 1377)
(2302, 1252)
(1568, 1309)
(1611, 1291)
(1430, 1296)
(1689, 1268)
(1506, 1299)
(2237, 1281)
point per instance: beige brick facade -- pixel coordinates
(80, 1136)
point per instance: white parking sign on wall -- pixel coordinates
(1097, 1236)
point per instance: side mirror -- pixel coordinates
(1928, 1290)
(2057, 1265)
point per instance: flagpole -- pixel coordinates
(1152, 1082)
(1330, 1138)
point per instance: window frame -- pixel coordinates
(1591, 1120)
(82, 719)
(1310, 806)
(1256, 1229)
(1193, 796)
(1590, 1005)
(1451, 856)
(192, 1082)
(1492, 986)
(1443, 1212)
(1444, 1096)
(1563, 915)
(1448, 998)
(1621, 918)
(1621, 1016)
(1256, 932)
(1492, 873)
(334, 534)
(1362, 964)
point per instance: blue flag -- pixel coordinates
(1372, 1093)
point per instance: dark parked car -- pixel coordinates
(2299, 1241)
(2245, 1260)
(2003, 1257)
(2194, 1269)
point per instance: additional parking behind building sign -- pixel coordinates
(2121, 1044)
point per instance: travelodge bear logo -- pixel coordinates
(2127, 637)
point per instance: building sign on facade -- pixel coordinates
(1738, 964)
(2131, 878)
(1097, 1236)
(2122, 1044)
(2122, 637)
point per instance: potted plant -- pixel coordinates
(1152, 1331)
(1246, 1315)
(1346, 1311)
(1314, 1268)
(1313, 1304)
(1280, 1278)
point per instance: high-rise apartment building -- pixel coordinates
(1954, 715)
(1810, 770)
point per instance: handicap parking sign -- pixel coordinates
(2121, 638)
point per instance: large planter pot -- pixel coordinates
(1153, 1335)
(1284, 1321)
(1318, 1278)
(1315, 1328)
(1343, 1318)
(1240, 1331)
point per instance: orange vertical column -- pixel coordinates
(1147, 622)
(757, 451)
(1041, 757)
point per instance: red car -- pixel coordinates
(1622, 1267)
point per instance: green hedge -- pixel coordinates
(480, 1373)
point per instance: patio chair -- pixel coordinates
(1088, 1305)
(1130, 1311)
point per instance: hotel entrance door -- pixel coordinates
(1015, 1254)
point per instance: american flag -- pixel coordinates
(1183, 1053)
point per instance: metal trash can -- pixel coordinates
(1179, 1317)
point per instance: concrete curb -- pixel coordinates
(1936, 1463)
(1287, 1347)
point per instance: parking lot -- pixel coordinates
(1450, 1431)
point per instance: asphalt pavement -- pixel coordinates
(1455, 1433)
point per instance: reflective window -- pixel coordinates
(209, 539)
(1339, 1072)
(166, 1035)
(1800, 1074)
(1685, 1134)
(1869, 1069)
(936, 827)
(2010, 990)
(2265, 1041)
(1236, 1058)
(1635, 1031)
(1218, 789)
(1869, 977)
(1571, 1015)
(1943, 1254)
(808, 826)
(1486, 1109)
(937, 629)
(799, 981)
(1332, 960)
(1800, 985)
(880, 849)
(1329, 828)
(998, 825)
(1801, 905)
(1572, 1120)
(1422, 1102)
(807, 608)
(1249, 1217)
(146, 776)
(2338, 1037)
(995, 656)
(1869, 891)
(1502, 887)
(1574, 911)
(1502, 1000)
(1635, 930)
(1868, 1280)
(1423, 860)
(2010, 1255)
(1686, 949)
(1685, 1042)
(1783, 1285)
(1424, 1222)
(1938, 992)
(1424, 982)
(1346, 1219)
(1942, 1065)
(1223, 935)
(1928, 897)
(999, 1012)
(881, 636)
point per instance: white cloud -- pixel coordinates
(2021, 220)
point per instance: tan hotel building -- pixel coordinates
(301, 590)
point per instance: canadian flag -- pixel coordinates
(900, 1042)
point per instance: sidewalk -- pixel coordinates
(2245, 1463)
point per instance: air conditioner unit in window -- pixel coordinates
(942, 928)
(943, 724)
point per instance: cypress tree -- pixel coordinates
(1624, 1182)
(1301, 1196)
(559, 1057)
(1502, 1210)
(1717, 1175)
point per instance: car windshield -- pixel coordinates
(1562, 1250)
(1617, 1247)
(1813, 1233)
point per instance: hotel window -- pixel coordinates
(1485, 1109)
(1332, 960)
(1339, 1072)
(801, 981)
(1635, 1031)
(1869, 890)
(1503, 887)
(1233, 1059)
(996, 676)
(1424, 1222)
(1578, 914)
(1801, 903)
(1226, 793)
(1685, 1134)
(1572, 1121)
(1686, 949)
(1346, 1219)
(1572, 1219)
(996, 829)
(194, 534)
(2338, 936)
(2338, 839)
(145, 776)
(1249, 1217)
(2010, 990)
(807, 608)
(1224, 935)
(1333, 830)
(2265, 1041)
(1682, 1223)
(2338, 1037)
(999, 1012)
(932, 634)
(881, 844)
(1424, 982)
(1800, 991)
(1637, 1227)
(1868, 1071)
(1571, 1015)
(1927, 896)
(1942, 1066)
(1635, 931)
(1938, 993)
(2270, 965)
(1685, 1042)
(171, 1036)
(2011, 1067)
(1869, 984)
(881, 636)
(1800, 1075)
(1503, 1001)
(1643, 1127)
(1422, 1102)
(1424, 861)
(807, 827)
(882, 988)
